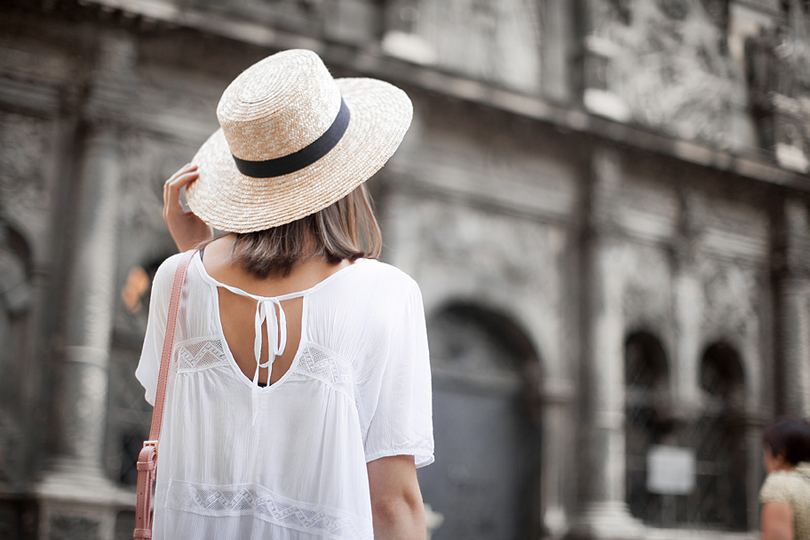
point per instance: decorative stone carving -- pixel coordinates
(24, 193)
(779, 65)
(662, 64)
(495, 41)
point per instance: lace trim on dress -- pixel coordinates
(261, 503)
(326, 366)
(199, 354)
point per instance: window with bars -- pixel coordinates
(646, 420)
(715, 436)
(718, 437)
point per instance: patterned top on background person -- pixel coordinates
(791, 487)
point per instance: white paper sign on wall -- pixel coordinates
(670, 470)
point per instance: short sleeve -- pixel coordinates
(775, 489)
(149, 364)
(396, 386)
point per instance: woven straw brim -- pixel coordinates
(230, 201)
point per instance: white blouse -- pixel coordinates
(287, 461)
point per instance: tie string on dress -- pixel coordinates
(268, 310)
(276, 342)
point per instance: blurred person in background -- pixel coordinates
(785, 495)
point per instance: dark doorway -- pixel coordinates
(487, 465)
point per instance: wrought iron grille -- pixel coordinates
(719, 440)
(646, 422)
(716, 435)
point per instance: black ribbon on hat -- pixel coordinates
(303, 158)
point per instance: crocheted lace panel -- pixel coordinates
(261, 503)
(316, 362)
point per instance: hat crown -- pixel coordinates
(278, 106)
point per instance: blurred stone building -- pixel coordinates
(605, 203)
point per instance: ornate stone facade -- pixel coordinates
(605, 204)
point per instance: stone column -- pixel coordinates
(77, 500)
(793, 286)
(689, 306)
(82, 400)
(606, 514)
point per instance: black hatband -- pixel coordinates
(302, 158)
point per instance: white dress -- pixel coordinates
(288, 462)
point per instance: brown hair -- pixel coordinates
(345, 230)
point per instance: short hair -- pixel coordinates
(789, 438)
(347, 229)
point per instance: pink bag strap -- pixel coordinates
(147, 459)
(168, 346)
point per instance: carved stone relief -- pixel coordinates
(494, 41)
(663, 64)
(25, 145)
(727, 293)
(733, 294)
(467, 151)
(647, 298)
(509, 265)
(779, 63)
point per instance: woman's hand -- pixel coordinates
(186, 229)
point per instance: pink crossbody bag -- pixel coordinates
(147, 459)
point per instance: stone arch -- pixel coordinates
(15, 293)
(486, 480)
(648, 421)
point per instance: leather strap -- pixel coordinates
(147, 458)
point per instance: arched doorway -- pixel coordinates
(486, 476)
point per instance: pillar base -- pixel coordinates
(607, 520)
(78, 502)
(555, 522)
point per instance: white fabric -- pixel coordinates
(358, 390)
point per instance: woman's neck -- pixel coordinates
(220, 264)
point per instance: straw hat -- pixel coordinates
(293, 140)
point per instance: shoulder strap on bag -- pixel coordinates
(147, 459)
(168, 346)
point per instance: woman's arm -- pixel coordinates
(396, 502)
(777, 521)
